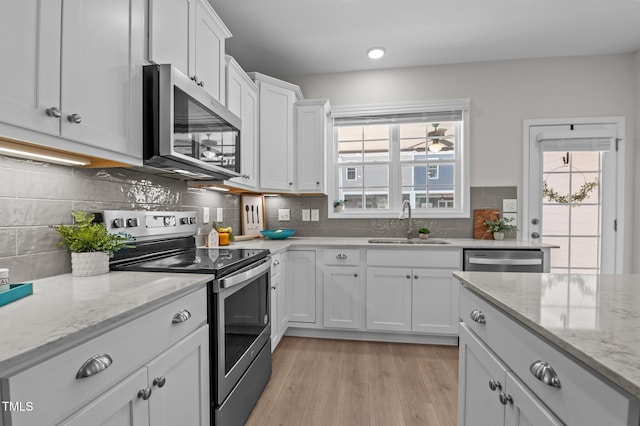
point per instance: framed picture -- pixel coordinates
(252, 214)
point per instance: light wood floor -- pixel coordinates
(339, 382)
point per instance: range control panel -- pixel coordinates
(151, 224)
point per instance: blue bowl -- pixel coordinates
(278, 234)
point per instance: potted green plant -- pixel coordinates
(423, 233)
(499, 226)
(338, 205)
(90, 244)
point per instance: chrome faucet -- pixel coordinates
(406, 205)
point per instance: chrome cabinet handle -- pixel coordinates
(74, 118)
(94, 365)
(478, 316)
(408, 276)
(341, 256)
(317, 182)
(415, 277)
(201, 83)
(54, 112)
(276, 262)
(544, 372)
(144, 393)
(159, 381)
(505, 398)
(181, 316)
(273, 287)
(494, 384)
(355, 275)
(194, 78)
(290, 183)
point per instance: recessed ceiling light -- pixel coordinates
(376, 52)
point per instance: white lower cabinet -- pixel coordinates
(173, 389)
(279, 311)
(301, 286)
(489, 394)
(153, 369)
(342, 297)
(388, 300)
(434, 302)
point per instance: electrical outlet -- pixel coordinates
(205, 215)
(315, 215)
(306, 215)
(219, 215)
(284, 215)
(509, 205)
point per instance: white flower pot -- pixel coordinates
(89, 264)
(423, 236)
(338, 209)
(498, 236)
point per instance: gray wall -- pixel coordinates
(34, 195)
(481, 198)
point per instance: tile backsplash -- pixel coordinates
(35, 195)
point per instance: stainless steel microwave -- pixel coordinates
(186, 130)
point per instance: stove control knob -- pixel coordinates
(119, 223)
(132, 222)
(169, 221)
(193, 220)
(184, 221)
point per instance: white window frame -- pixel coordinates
(462, 162)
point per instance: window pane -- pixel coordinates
(413, 130)
(585, 161)
(349, 133)
(349, 152)
(376, 150)
(376, 176)
(585, 220)
(377, 199)
(584, 252)
(350, 177)
(585, 185)
(556, 188)
(556, 219)
(559, 256)
(373, 132)
(415, 175)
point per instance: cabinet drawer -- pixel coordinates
(52, 385)
(338, 257)
(417, 258)
(582, 399)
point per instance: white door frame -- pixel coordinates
(525, 231)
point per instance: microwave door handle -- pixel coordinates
(496, 261)
(247, 275)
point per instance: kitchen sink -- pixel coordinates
(406, 241)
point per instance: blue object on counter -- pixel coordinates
(15, 292)
(278, 234)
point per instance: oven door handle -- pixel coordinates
(502, 261)
(246, 274)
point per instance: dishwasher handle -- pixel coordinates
(503, 261)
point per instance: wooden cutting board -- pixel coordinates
(479, 216)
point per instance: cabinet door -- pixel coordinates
(283, 298)
(120, 406)
(434, 302)
(179, 379)
(101, 74)
(209, 51)
(342, 297)
(310, 145)
(276, 137)
(301, 286)
(523, 408)
(275, 290)
(30, 77)
(170, 32)
(478, 404)
(388, 300)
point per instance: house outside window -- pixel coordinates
(383, 155)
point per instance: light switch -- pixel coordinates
(306, 215)
(315, 215)
(509, 205)
(205, 215)
(219, 215)
(284, 215)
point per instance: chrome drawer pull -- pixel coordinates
(181, 316)
(478, 316)
(505, 398)
(544, 372)
(159, 381)
(94, 365)
(144, 393)
(341, 256)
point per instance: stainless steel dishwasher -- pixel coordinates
(491, 260)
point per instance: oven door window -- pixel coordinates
(246, 315)
(201, 134)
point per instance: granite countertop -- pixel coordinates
(65, 310)
(277, 246)
(595, 318)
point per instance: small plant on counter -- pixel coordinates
(339, 203)
(424, 231)
(87, 236)
(500, 225)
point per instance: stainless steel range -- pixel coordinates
(238, 301)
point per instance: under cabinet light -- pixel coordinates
(34, 153)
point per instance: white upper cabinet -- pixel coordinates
(75, 73)
(276, 132)
(311, 144)
(191, 36)
(242, 100)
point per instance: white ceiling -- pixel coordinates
(297, 37)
